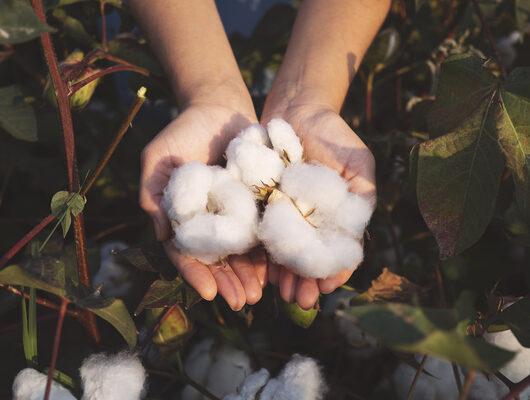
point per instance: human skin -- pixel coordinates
(214, 106)
(328, 42)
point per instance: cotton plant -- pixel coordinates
(113, 276)
(104, 377)
(227, 373)
(311, 223)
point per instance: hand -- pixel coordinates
(201, 133)
(327, 139)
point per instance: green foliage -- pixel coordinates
(437, 332)
(64, 206)
(16, 115)
(18, 22)
(299, 316)
(459, 171)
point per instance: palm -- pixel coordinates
(327, 139)
(199, 133)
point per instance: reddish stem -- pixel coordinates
(517, 389)
(115, 68)
(56, 346)
(25, 240)
(62, 96)
(43, 302)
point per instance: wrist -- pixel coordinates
(287, 98)
(230, 92)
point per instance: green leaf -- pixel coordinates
(517, 317)
(64, 205)
(16, 116)
(436, 332)
(18, 22)
(514, 134)
(459, 173)
(164, 293)
(135, 53)
(17, 276)
(299, 316)
(49, 276)
(118, 316)
(74, 28)
(172, 330)
(522, 13)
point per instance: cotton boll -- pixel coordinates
(187, 191)
(441, 385)
(30, 384)
(213, 219)
(113, 276)
(310, 252)
(112, 377)
(251, 386)
(518, 367)
(255, 164)
(317, 186)
(284, 140)
(220, 369)
(353, 214)
(255, 133)
(300, 379)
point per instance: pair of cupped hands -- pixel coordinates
(202, 132)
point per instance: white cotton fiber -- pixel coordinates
(112, 377)
(251, 386)
(518, 367)
(441, 384)
(213, 215)
(30, 384)
(301, 378)
(113, 276)
(316, 186)
(187, 191)
(253, 163)
(221, 370)
(255, 133)
(303, 248)
(284, 140)
(353, 214)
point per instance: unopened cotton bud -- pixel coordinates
(112, 377)
(30, 384)
(284, 140)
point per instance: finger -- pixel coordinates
(259, 259)
(195, 273)
(307, 293)
(328, 285)
(154, 177)
(244, 269)
(288, 282)
(274, 272)
(229, 286)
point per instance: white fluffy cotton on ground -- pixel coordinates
(30, 384)
(519, 367)
(113, 377)
(219, 369)
(441, 385)
(301, 378)
(213, 214)
(113, 276)
(315, 229)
